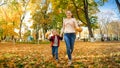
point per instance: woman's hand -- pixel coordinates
(61, 35)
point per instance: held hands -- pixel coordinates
(61, 34)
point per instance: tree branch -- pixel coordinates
(77, 12)
(118, 4)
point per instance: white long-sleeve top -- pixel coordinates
(69, 25)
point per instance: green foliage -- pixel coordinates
(77, 8)
(94, 23)
(14, 13)
(34, 42)
(41, 18)
(28, 33)
(57, 20)
(1, 31)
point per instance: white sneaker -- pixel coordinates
(69, 62)
(57, 60)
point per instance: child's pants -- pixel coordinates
(55, 52)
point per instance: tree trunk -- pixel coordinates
(21, 22)
(118, 4)
(22, 18)
(87, 18)
(20, 31)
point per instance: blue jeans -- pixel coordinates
(55, 52)
(69, 40)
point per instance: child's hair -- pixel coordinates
(54, 31)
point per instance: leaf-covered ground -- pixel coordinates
(85, 55)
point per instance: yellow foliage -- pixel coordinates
(35, 1)
(54, 4)
(8, 29)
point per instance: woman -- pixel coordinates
(69, 25)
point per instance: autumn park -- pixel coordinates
(59, 33)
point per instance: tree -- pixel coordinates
(8, 21)
(114, 30)
(18, 11)
(82, 9)
(118, 4)
(104, 19)
(94, 23)
(87, 18)
(41, 18)
(22, 16)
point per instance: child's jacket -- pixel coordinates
(52, 39)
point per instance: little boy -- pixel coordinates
(55, 42)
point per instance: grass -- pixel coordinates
(34, 42)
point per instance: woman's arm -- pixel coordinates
(76, 24)
(62, 29)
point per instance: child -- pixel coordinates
(55, 42)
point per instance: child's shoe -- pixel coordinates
(69, 62)
(57, 60)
